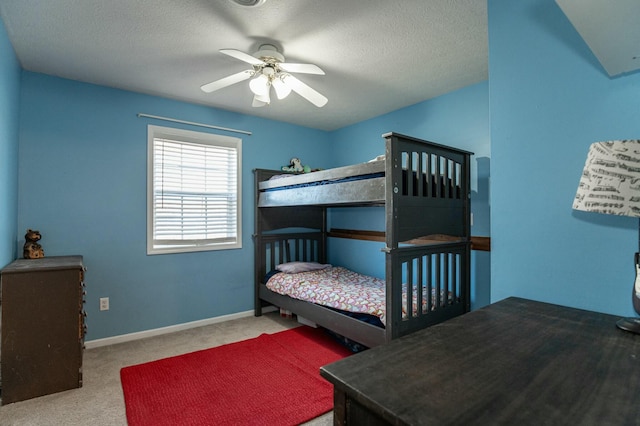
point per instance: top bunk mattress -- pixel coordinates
(356, 184)
(335, 175)
(359, 184)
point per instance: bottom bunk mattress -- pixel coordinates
(341, 289)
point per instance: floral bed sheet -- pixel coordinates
(338, 288)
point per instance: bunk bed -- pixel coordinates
(425, 190)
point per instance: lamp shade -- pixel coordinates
(610, 181)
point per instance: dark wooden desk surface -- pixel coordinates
(516, 362)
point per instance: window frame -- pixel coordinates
(198, 138)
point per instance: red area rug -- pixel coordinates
(273, 379)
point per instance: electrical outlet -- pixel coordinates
(104, 303)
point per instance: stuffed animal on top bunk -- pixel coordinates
(295, 166)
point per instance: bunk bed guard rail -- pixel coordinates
(428, 284)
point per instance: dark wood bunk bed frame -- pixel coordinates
(427, 234)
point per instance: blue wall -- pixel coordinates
(82, 177)
(9, 109)
(550, 99)
(81, 180)
(82, 183)
(459, 119)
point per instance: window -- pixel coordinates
(193, 191)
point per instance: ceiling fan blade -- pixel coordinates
(227, 81)
(242, 56)
(301, 68)
(305, 91)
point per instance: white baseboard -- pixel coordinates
(170, 329)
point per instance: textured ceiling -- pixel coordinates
(378, 55)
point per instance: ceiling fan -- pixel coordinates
(269, 70)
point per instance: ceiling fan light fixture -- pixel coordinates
(282, 90)
(248, 3)
(261, 100)
(260, 85)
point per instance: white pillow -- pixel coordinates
(295, 267)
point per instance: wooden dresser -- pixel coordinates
(42, 326)
(516, 362)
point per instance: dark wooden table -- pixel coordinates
(516, 362)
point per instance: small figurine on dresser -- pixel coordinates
(32, 249)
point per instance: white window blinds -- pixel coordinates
(195, 199)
